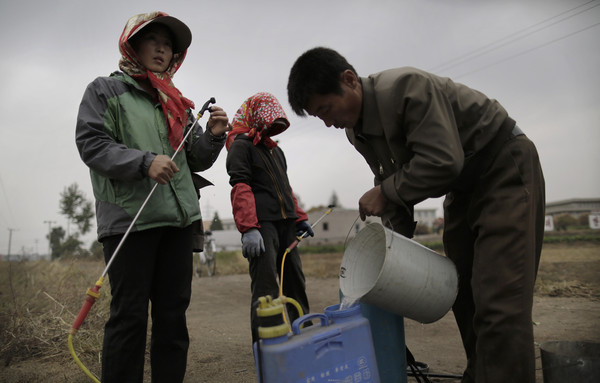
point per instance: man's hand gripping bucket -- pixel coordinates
(387, 270)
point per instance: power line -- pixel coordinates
(307, 126)
(526, 51)
(513, 37)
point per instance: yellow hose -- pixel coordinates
(92, 294)
(285, 300)
(290, 247)
(282, 267)
(76, 359)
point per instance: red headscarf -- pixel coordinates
(255, 115)
(173, 103)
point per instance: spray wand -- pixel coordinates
(295, 243)
(93, 293)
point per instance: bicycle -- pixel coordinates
(208, 257)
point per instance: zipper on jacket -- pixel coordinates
(281, 171)
(277, 189)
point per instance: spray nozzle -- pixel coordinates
(206, 107)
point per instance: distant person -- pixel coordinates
(265, 209)
(425, 136)
(129, 125)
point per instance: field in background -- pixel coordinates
(566, 270)
(39, 300)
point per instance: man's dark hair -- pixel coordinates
(316, 71)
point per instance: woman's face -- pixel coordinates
(154, 48)
(278, 126)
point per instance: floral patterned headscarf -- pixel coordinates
(255, 117)
(173, 103)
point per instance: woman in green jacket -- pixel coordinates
(128, 128)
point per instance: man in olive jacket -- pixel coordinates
(425, 136)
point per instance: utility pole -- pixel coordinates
(10, 231)
(49, 235)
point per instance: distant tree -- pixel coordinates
(61, 245)
(76, 208)
(55, 238)
(78, 211)
(334, 200)
(583, 220)
(216, 223)
(563, 221)
(96, 250)
(72, 246)
(438, 225)
(422, 229)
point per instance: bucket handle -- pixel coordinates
(309, 317)
(389, 246)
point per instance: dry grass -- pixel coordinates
(38, 304)
(231, 263)
(39, 300)
(566, 270)
(322, 265)
(325, 265)
(570, 271)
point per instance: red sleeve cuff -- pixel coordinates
(244, 207)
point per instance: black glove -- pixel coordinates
(302, 227)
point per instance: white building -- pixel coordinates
(335, 228)
(574, 206)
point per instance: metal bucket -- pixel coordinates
(565, 361)
(387, 270)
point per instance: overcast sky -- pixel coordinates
(539, 58)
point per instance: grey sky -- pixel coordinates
(539, 58)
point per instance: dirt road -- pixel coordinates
(220, 332)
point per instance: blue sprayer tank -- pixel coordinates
(338, 349)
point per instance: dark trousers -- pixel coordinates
(152, 266)
(494, 235)
(265, 270)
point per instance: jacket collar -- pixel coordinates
(127, 79)
(370, 121)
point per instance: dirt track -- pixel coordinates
(567, 307)
(220, 332)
